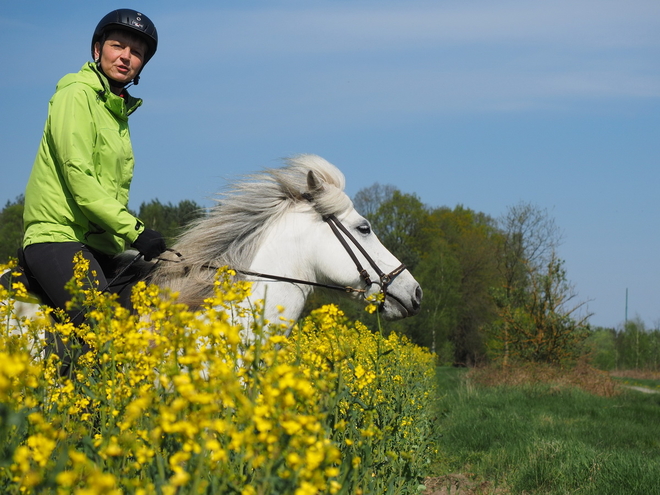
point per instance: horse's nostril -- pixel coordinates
(417, 301)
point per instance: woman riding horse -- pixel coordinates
(77, 194)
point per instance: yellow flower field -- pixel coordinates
(171, 401)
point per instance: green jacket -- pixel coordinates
(78, 188)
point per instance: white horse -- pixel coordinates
(280, 223)
(289, 230)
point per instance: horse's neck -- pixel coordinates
(284, 253)
(283, 303)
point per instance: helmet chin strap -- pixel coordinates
(116, 84)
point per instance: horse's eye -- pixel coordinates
(364, 229)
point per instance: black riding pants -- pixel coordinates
(51, 265)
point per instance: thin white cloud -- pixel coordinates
(381, 92)
(395, 58)
(350, 27)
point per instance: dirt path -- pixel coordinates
(459, 484)
(642, 389)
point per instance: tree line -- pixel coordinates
(168, 219)
(495, 289)
(633, 346)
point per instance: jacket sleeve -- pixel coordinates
(74, 135)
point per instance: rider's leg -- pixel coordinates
(51, 264)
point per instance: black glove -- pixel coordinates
(150, 243)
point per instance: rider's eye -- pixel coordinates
(364, 229)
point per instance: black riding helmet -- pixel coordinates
(133, 21)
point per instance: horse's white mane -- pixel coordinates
(233, 230)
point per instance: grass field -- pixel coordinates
(545, 438)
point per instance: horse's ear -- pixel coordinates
(314, 183)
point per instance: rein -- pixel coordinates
(280, 278)
(338, 229)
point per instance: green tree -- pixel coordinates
(545, 325)
(601, 347)
(400, 223)
(537, 315)
(637, 346)
(487, 284)
(11, 228)
(169, 219)
(367, 200)
(472, 238)
(438, 272)
(450, 252)
(653, 362)
(529, 238)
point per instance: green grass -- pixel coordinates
(542, 439)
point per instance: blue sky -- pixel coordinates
(479, 103)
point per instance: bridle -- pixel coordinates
(344, 236)
(386, 279)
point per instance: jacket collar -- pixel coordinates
(121, 107)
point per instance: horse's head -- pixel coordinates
(277, 228)
(348, 253)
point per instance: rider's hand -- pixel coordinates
(150, 243)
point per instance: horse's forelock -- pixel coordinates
(331, 199)
(326, 170)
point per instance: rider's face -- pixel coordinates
(121, 57)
